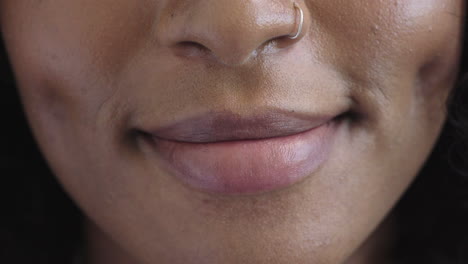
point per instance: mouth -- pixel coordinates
(226, 153)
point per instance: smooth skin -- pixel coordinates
(91, 73)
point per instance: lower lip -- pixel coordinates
(247, 166)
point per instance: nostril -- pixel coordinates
(275, 43)
(192, 44)
(191, 49)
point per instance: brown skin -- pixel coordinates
(90, 72)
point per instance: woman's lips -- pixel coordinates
(224, 153)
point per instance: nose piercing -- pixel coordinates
(301, 21)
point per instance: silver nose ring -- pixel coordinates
(301, 21)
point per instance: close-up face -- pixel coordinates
(200, 131)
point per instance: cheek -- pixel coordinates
(430, 34)
(399, 56)
(372, 36)
(72, 57)
(62, 74)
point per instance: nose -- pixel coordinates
(232, 32)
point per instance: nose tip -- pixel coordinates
(232, 31)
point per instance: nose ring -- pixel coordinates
(301, 21)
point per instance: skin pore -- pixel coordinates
(94, 74)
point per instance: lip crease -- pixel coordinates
(227, 126)
(223, 152)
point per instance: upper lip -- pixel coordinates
(219, 126)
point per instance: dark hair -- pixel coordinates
(41, 224)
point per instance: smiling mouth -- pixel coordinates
(225, 153)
